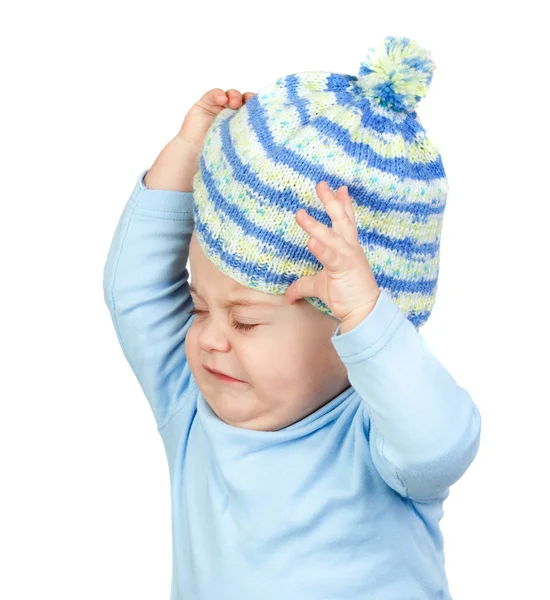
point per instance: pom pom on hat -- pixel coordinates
(397, 74)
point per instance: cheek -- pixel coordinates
(286, 360)
(192, 350)
(274, 359)
(300, 360)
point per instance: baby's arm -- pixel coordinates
(145, 278)
(424, 427)
(145, 281)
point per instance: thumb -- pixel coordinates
(301, 288)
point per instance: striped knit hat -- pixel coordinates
(261, 163)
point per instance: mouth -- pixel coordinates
(222, 376)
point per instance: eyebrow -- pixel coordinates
(236, 301)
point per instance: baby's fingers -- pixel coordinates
(231, 98)
(234, 98)
(214, 97)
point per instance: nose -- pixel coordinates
(212, 335)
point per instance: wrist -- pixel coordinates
(358, 316)
(187, 144)
(175, 167)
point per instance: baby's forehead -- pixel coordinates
(230, 292)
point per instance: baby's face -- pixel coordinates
(287, 363)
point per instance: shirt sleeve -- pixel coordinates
(145, 284)
(423, 428)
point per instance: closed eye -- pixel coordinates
(235, 325)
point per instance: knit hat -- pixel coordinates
(261, 163)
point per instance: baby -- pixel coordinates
(311, 434)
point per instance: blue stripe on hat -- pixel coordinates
(405, 247)
(292, 82)
(408, 246)
(422, 286)
(280, 154)
(399, 166)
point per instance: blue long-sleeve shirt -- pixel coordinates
(345, 503)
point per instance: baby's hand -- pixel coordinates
(179, 161)
(346, 284)
(202, 114)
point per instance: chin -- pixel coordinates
(237, 412)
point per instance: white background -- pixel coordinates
(91, 94)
